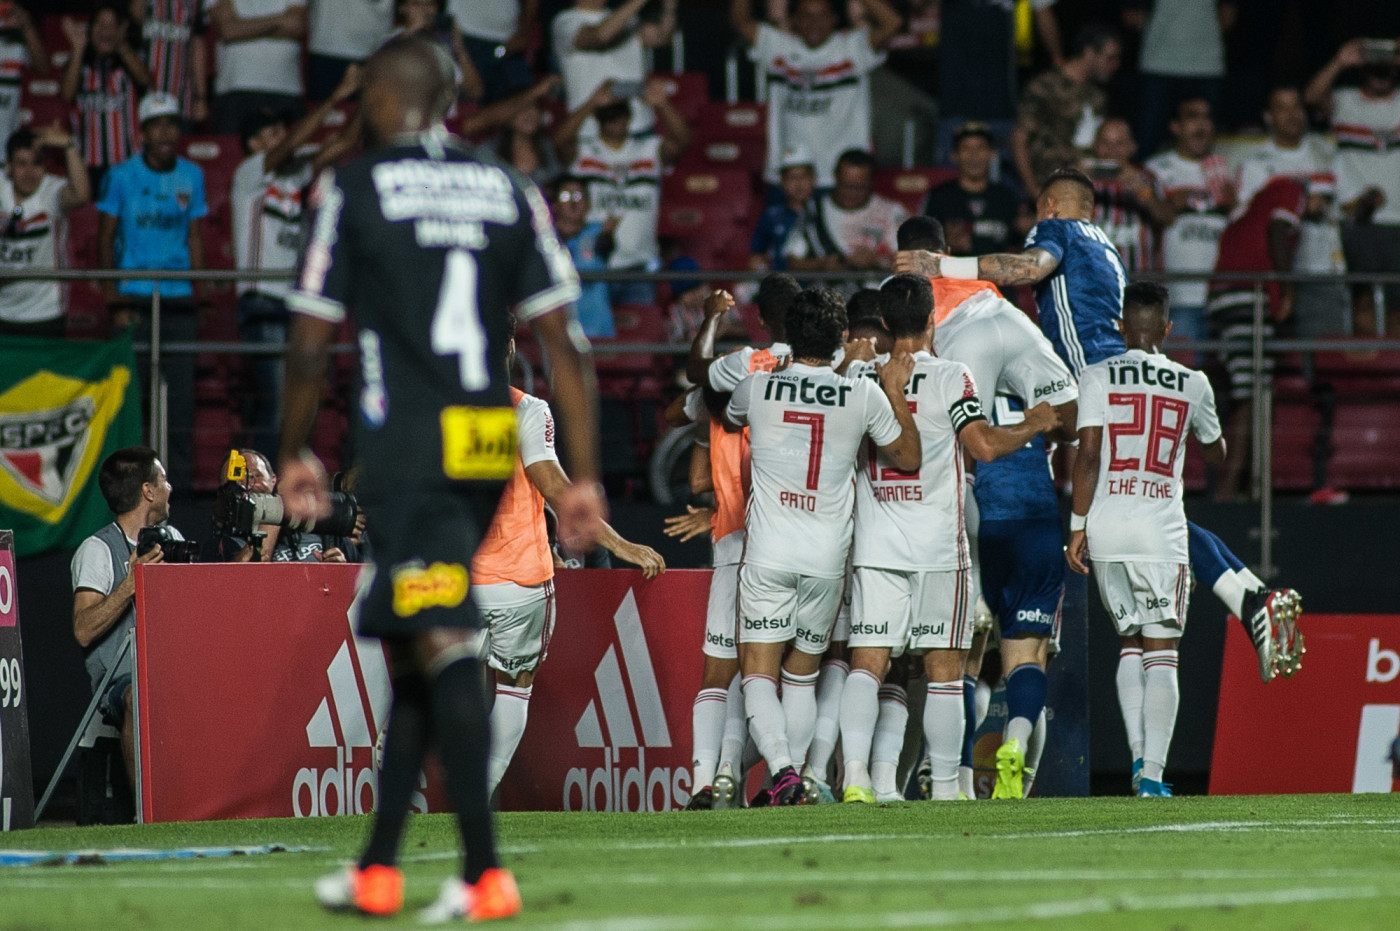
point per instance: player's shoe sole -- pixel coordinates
(374, 890)
(704, 800)
(858, 794)
(816, 791)
(1288, 638)
(724, 791)
(1011, 765)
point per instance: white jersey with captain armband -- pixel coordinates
(806, 425)
(914, 520)
(1145, 403)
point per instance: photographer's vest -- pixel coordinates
(102, 653)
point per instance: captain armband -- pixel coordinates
(964, 411)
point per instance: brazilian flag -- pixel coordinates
(64, 406)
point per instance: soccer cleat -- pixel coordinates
(787, 788)
(725, 789)
(374, 890)
(885, 798)
(925, 777)
(1011, 763)
(1137, 775)
(493, 896)
(858, 794)
(704, 800)
(761, 799)
(964, 797)
(816, 791)
(1259, 623)
(1151, 788)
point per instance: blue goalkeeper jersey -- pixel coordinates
(1081, 303)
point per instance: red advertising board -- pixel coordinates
(1327, 729)
(256, 700)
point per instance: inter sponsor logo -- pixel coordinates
(806, 391)
(441, 585)
(1144, 373)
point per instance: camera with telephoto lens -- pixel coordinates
(238, 512)
(172, 548)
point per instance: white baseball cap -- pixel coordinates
(796, 157)
(156, 104)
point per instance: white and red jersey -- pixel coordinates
(914, 520)
(806, 425)
(1146, 403)
(1190, 244)
(624, 182)
(515, 548)
(1368, 148)
(267, 219)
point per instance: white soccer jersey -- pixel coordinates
(1006, 353)
(728, 370)
(806, 425)
(1367, 154)
(534, 425)
(32, 239)
(1192, 242)
(625, 182)
(1146, 404)
(914, 520)
(267, 220)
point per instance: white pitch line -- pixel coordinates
(961, 876)
(1066, 908)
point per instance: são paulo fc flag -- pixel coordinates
(64, 406)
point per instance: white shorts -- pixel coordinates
(778, 606)
(841, 631)
(721, 611)
(1148, 598)
(519, 620)
(916, 611)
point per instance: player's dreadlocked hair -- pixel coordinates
(906, 302)
(815, 321)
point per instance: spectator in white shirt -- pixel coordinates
(342, 32)
(34, 203)
(853, 221)
(496, 34)
(818, 78)
(1366, 123)
(259, 58)
(21, 50)
(594, 44)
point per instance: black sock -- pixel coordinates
(410, 732)
(463, 723)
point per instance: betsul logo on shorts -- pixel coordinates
(615, 785)
(347, 720)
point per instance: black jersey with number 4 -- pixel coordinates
(430, 243)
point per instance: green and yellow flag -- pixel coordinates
(64, 406)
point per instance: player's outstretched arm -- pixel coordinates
(1086, 480)
(1004, 269)
(301, 479)
(986, 442)
(582, 506)
(702, 350)
(907, 452)
(554, 485)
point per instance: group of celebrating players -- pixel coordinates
(852, 528)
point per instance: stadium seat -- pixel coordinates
(910, 186)
(1295, 446)
(41, 104)
(87, 311)
(218, 157)
(1365, 373)
(731, 121)
(710, 212)
(51, 30)
(1366, 446)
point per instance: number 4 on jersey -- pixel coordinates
(457, 328)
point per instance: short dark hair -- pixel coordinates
(617, 110)
(774, 298)
(1071, 175)
(1147, 295)
(122, 475)
(871, 325)
(974, 129)
(1191, 98)
(906, 301)
(22, 138)
(863, 304)
(921, 233)
(1093, 35)
(258, 120)
(855, 158)
(815, 322)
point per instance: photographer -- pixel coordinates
(231, 543)
(133, 483)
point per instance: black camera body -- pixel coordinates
(238, 512)
(173, 550)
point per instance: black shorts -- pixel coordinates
(423, 547)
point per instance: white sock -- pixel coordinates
(831, 681)
(508, 717)
(966, 782)
(800, 710)
(1130, 686)
(982, 698)
(860, 706)
(944, 721)
(889, 739)
(706, 732)
(766, 721)
(1231, 589)
(1160, 699)
(1251, 582)
(1018, 729)
(1034, 749)
(736, 729)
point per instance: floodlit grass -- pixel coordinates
(1200, 863)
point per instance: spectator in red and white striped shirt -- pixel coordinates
(1128, 202)
(104, 79)
(178, 61)
(21, 49)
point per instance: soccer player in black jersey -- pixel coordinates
(431, 243)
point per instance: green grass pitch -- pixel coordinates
(1287, 862)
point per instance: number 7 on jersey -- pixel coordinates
(817, 422)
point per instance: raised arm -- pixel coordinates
(741, 20)
(660, 33)
(498, 113)
(1318, 93)
(33, 41)
(906, 453)
(603, 35)
(885, 21)
(554, 485)
(76, 34)
(566, 134)
(702, 349)
(306, 127)
(986, 442)
(675, 134)
(1003, 269)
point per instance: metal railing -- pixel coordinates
(1262, 413)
